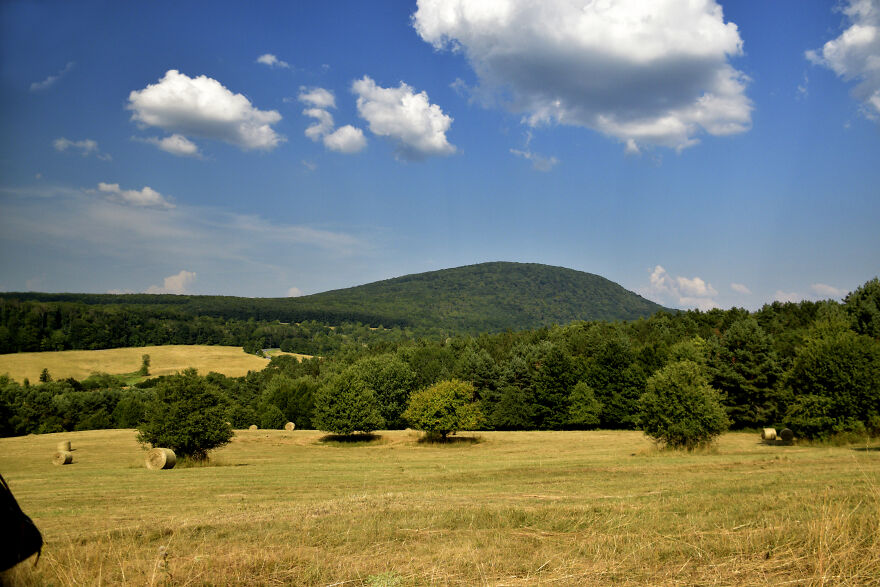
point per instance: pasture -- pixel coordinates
(512, 508)
(164, 360)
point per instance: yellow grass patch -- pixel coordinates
(164, 360)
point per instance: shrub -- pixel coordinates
(345, 405)
(679, 409)
(186, 415)
(443, 408)
(271, 417)
(584, 409)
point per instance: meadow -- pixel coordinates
(164, 360)
(492, 508)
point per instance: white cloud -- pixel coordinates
(317, 97)
(147, 197)
(203, 107)
(685, 292)
(322, 126)
(828, 291)
(120, 291)
(174, 284)
(272, 61)
(50, 81)
(653, 73)
(85, 147)
(417, 127)
(346, 139)
(539, 162)
(310, 165)
(176, 145)
(787, 296)
(740, 288)
(294, 292)
(855, 54)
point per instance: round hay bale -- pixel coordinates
(63, 446)
(161, 458)
(252, 427)
(786, 435)
(768, 434)
(62, 457)
(290, 426)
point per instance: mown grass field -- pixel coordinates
(515, 508)
(164, 360)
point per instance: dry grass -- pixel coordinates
(164, 360)
(524, 508)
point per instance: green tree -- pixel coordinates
(186, 415)
(392, 380)
(679, 409)
(44, 376)
(145, 366)
(863, 305)
(271, 417)
(584, 409)
(443, 409)
(345, 405)
(293, 397)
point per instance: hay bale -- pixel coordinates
(161, 458)
(63, 446)
(768, 434)
(252, 427)
(290, 426)
(786, 435)
(62, 457)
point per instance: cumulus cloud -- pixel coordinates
(740, 288)
(539, 162)
(147, 197)
(417, 127)
(174, 284)
(693, 292)
(828, 291)
(787, 296)
(50, 81)
(855, 54)
(294, 292)
(346, 139)
(272, 61)
(176, 145)
(653, 73)
(203, 107)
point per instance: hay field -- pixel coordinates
(516, 508)
(164, 360)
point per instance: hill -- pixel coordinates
(488, 297)
(491, 297)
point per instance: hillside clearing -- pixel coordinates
(164, 360)
(516, 508)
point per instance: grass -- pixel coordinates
(164, 360)
(517, 508)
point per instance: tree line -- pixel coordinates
(811, 366)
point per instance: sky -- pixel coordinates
(700, 153)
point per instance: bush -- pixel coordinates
(443, 408)
(345, 405)
(185, 415)
(679, 409)
(584, 409)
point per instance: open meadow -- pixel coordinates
(511, 508)
(164, 360)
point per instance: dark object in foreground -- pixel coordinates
(19, 537)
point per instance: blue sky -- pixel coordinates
(700, 153)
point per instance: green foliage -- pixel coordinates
(44, 376)
(863, 305)
(294, 398)
(145, 366)
(345, 404)
(584, 409)
(679, 409)
(185, 415)
(444, 408)
(270, 417)
(392, 380)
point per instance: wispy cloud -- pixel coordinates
(52, 79)
(272, 61)
(85, 147)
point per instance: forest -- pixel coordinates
(811, 366)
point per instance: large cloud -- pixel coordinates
(644, 72)
(203, 107)
(346, 139)
(688, 292)
(174, 284)
(417, 127)
(855, 54)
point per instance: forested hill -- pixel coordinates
(489, 297)
(492, 297)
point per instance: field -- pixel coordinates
(510, 508)
(164, 360)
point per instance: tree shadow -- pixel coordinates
(358, 438)
(867, 448)
(449, 440)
